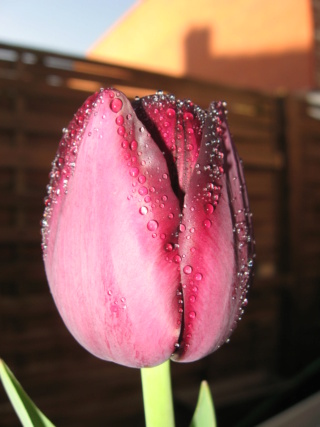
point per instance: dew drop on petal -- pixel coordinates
(207, 223)
(152, 225)
(147, 199)
(134, 172)
(134, 145)
(192, 314)
(119, 120)
(121, 130)
(187, 269)
(143, 210)
(143, 191)
(142, 179)
(116, 105)
(177, 259)
(168, 247)
(171, 113)
(208, 207)
(125, 144)
(182, 228)
(188, 116)
(198, 276)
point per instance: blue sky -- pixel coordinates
(64, 26)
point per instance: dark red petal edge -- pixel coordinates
(240, 213)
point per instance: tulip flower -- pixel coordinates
(147, 235)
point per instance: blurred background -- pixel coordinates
(263, 58)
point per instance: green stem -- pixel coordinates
(157, 396)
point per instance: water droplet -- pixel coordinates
(170, 216)
(192, 298)
(208, 207)
(162, 236)
(242, 231)
(171, 113)
(134, 145)
(143, 191)
(125, 144)
(152, 225)
(192, 314)
(134, 172)
(116, 105)
(147, 199)
(187, 269)
(119, 120)
(143, 210)
(168, 247)
(182, 228)
(177, 259)
(188, 116)
(142, 179)
(198, 276)
(121, 130)
(207, 223)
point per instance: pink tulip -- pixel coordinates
(147, 235)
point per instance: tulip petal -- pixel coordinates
(110, 234)
(216, 243)
(176, 127)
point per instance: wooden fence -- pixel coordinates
(39, 92)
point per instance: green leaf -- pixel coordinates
(204, 415)
(28, 413)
